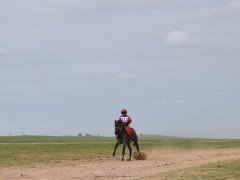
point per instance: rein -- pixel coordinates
(118, 129)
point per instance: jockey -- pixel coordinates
(125, 120)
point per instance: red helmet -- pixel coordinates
(123, 111)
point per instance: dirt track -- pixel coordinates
(158, 161)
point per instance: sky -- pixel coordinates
(70, 66)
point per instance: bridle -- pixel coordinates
(118, 130)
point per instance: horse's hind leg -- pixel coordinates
(137, 146)
(130, 151)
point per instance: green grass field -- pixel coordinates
(220, 171)
(29, 150)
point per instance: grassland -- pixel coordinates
(28, 150)
(220, 170)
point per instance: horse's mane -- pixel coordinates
(118, 124)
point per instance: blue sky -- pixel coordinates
(69, 66)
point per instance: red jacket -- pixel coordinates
(126, 120)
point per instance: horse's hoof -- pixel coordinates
(128, 159)
(122, 159)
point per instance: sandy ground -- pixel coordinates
(158, 161)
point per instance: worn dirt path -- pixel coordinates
(158, 161)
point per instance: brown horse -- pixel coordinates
(123, 138)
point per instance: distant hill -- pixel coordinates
(158, 137)
(57, 139)
(66, 139)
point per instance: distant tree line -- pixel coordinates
(87, 134)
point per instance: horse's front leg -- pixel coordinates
(130, 151)
(115, 148)
(123, 151)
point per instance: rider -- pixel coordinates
(125, 120)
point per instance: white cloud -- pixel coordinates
(139, 1)
(127, 76)
(3, 51)
(217, 45)
(176, 38)
(219, 12)
(179, 38)
(230, 8)
(164, 101)
(209, 14)
(216, 93)
(55, 76)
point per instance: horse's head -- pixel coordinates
(118, 127)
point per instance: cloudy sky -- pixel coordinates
(69, 66)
